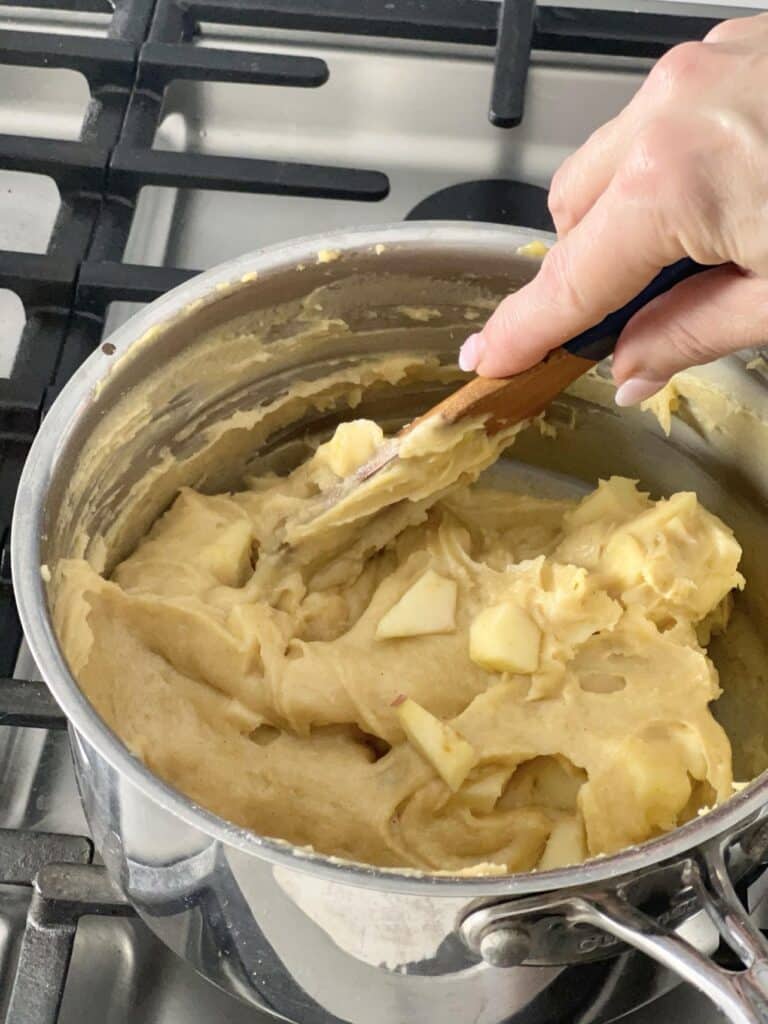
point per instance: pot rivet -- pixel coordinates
(504, 947)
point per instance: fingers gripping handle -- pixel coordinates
(599, 341)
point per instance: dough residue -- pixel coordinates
(663, 405)
(432, 673)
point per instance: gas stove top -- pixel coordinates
(143, 144)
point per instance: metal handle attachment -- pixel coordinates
(503, 934)
(741, 995)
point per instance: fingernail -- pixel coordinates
(636, 390)
(471, 352)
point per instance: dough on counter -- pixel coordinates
(433, 674)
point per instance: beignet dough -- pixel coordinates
(260, 680)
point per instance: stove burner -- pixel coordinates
(495, 201)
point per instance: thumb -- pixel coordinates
(710, 315)
(605, 260)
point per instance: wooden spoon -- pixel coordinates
(510, 400)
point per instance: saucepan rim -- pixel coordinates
(28, 521)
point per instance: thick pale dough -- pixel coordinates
(236, 652)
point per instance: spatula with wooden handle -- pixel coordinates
(510, 400)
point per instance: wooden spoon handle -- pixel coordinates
(511, 399)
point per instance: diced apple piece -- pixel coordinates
(613, 500)
(351, 446)
(682, 506)
(547, 781)
(656, 770)
(481, 794)
(438, 743)
(624, 559)
(429, 606)
(566, 845)
(504, 638)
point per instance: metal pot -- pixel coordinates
(307, 937)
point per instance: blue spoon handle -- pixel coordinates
(599, 341)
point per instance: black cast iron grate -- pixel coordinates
(67, 290)
(45, 283)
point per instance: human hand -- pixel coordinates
(682, 170)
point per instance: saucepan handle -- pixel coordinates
(742, 996)
(498, 932)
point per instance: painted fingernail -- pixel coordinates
(471, 352)
(636, 390)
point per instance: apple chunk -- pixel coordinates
(612, 501)
(624, 559)
(429, 606)
(504, 638)
(566, 845)
(350, 447)
(481, 795)
(437, 742)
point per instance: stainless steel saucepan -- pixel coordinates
(313, 939)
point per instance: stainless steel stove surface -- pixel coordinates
(173, 149)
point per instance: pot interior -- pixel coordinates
(252, 376)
